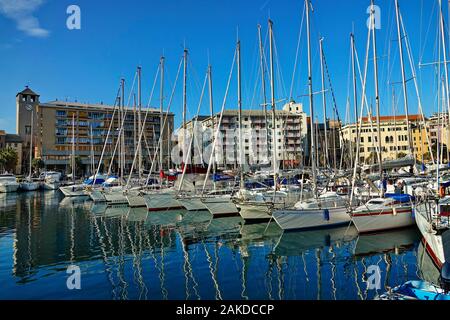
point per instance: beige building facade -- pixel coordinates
(61, 126)
(395, 140)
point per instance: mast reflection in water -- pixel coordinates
(126, 253)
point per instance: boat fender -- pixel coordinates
(441, 191)
(445, 276)
(394, 211)
(326, 215)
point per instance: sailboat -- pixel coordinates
(28, 184)
(165, 199)
(256, 206)
(75, 190)
(325, 210)
(389, 211)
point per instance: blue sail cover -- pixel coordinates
(91, 181)
(221, 177)
(402, 198)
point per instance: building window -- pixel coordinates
(27, 129)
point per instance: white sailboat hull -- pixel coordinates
(97, 196)
(74, 191)
(192, 204)
(220, 207)
(9, 187)
(161, 202)
(372, 221)
(432, 240)
(254, 212)
(29, 186)
(51, 185)
(295, 219)
(115, 197)
(135, 200)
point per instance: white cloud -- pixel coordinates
(21, 11)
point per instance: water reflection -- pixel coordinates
(130, 253)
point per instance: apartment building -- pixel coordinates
(61, 128)
(327, 143)
(257, 140)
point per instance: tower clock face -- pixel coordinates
(29, 107)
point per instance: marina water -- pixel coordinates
(126, 253)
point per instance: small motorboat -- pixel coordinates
(52, 180)
(415, 290)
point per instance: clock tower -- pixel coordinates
(26, 101)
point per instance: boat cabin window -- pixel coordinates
(376, 202)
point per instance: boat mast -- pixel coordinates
(311, 100)
(135, 129)
(263, 81)
(161, 106)
(184, 88)
(211, 110)
(31, 141)
(185, 53)
(272, 102)
(92, 151)
(355, 94)
(121, 135)
(444, 50)
(394, 107)
(241, 142)
(402, 66)
(377, 93)
(324, 101)
(139, 123)
(73, 148)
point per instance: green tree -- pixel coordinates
(427, 156)
(401, 155)
(8, 159)
(79, 167)
(372, 158)
(37, 164)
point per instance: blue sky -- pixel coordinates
(37, 49)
